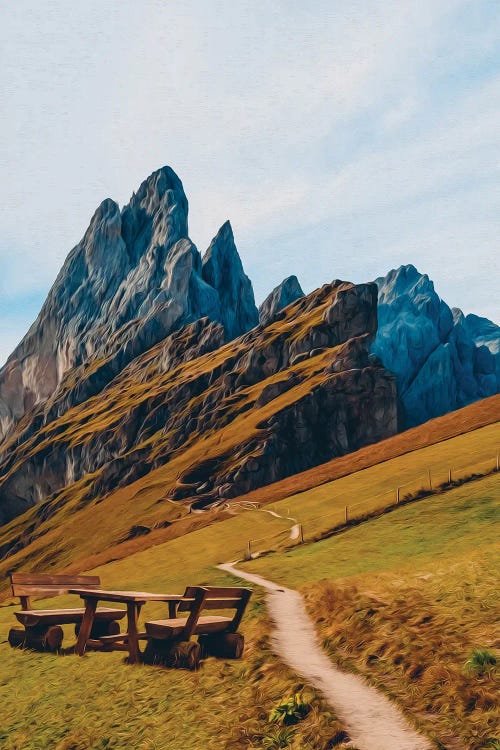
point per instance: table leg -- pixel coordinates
(172, 609)
(86, 626)
(133, 642)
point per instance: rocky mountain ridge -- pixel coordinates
(134, 278)
(443, 360)
(144, 351)
(218, 419)
(439, 356)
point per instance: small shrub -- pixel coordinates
(290, 711)
(480, 662)
(277, 738)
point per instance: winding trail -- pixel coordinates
(372, 720)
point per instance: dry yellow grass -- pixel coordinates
(432, 556)
(97, 702)
(80, 538)
(405, 599)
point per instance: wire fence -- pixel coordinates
(430, 481)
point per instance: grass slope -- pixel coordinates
(472, 417)
(404, 599)
(321, 507)
(66, 703)
(84, 537)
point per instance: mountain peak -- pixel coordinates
(222, 269)
(136, 274)
(431, 348)
(283, 295)
(158, 182)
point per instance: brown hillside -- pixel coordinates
(192, 423)
(472, 417)
(86, 530)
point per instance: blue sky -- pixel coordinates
(341, 139)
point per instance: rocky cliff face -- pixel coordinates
(440, 363)
(223, 418)
(147, 359)
(222, 270)
(284, 294)
(483, 332)
(135, 277)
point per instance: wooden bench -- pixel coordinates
(42, 627)
(169, 640)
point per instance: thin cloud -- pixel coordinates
(353, 134)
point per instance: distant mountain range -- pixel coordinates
(144, 348)
(442, 359)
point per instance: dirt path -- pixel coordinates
(372, 721)
(294, 530)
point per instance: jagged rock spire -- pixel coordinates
(284, 294)
(439, 363)
(134, 274)
(222, 269)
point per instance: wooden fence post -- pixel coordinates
(301, 534)
(398, 495)
(430, 479)
(248, 554)
(498, 461)
(449, 475)
(346, 514)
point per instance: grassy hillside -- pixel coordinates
(67, 703)
(82, 537)
(406, 599)
(479, 414)
(183, 424)
(322, 507)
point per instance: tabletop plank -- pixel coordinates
(125, 596)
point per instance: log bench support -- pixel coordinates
(222, 645)
(169, 641)
(42, 629)
(38, 638)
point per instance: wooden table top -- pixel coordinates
(126, 596)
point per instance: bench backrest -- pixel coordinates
(220, 598)
(25, 585)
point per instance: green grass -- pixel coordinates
(436, 555)
(411, 601)
(52, 702)
(67, 703)
(435, 529)
(375, 487)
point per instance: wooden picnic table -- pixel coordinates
(134, 601)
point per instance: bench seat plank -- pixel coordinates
(164, 629)
(32, 617)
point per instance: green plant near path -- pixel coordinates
(481, 662)
(278, 738)
(290, 711)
